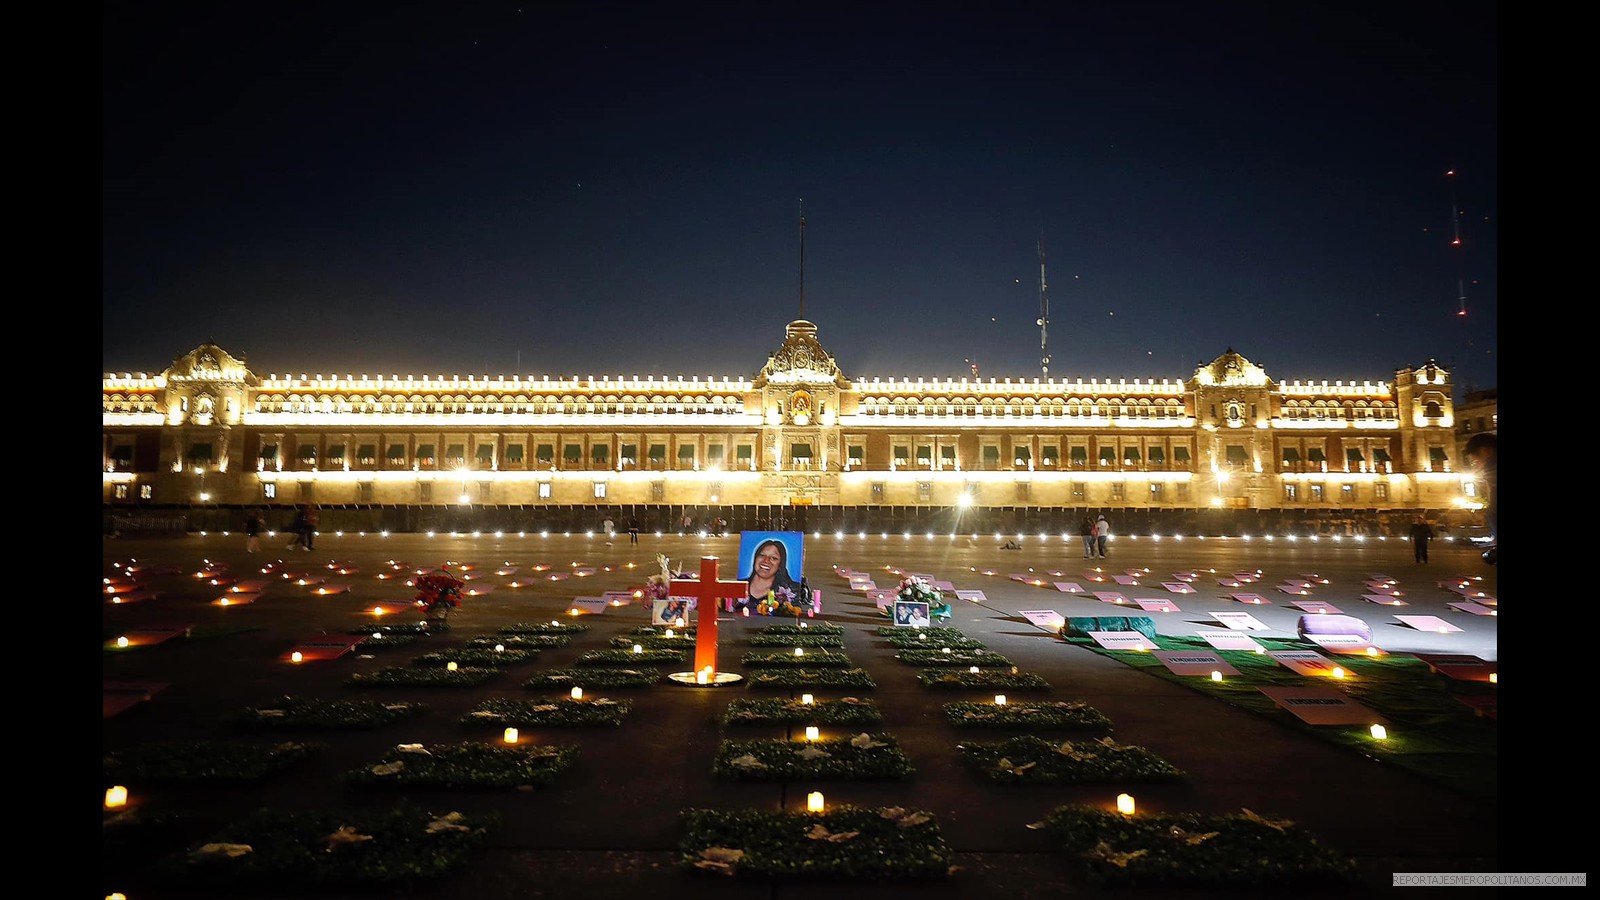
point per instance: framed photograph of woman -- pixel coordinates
(773, 563)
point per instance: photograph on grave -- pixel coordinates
(774, 564)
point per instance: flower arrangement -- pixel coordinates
(918, 590)
(437, 594)
(780, 601)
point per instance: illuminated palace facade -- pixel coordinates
(801, 433)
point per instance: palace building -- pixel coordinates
(801, 441)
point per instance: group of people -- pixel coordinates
(1095, 533)
(303, 527)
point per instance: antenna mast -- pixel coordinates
(802, 257)
(1044, 314)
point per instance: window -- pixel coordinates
(599, 490)
(1158, 456)
(600, 454)
(1291, 455)
(800, 451)
(514, 453)
(120, 491)
(1436, 457)
(1130, 456)
(1347, 493)
(456, 454)
(544, 490)
(744, 453)
(1023, 491)
(545, 454)
(1050, 456)
(1182, 488)
(1180, 456)
(425, 454)
(363, 492)
(1317, 494)
(1380, 490)
(486, 454)
(991, 457)
(658, 491)
(947, 456)
(856, 454)
(1316, 455)
(367, 454)
(1469, 488)
(1236, 455)
(1079, 456)
(145, 492)
(1080, 490)
(1380, 456)
(658, 454)
(877, 492)
(1291, 492)
(308, 454)
(269, 490)
(714, 454)
(902, 455)
(1118, 490)
(924, 491)
(1353, 459)
(199, 454)
(572, 452)
(1021, 456)
(924, 455)
(336, 454)
(268, 453)
(425, 492)
(1108, 456)
(1155, 492)
(686, 455)
(1432, 409)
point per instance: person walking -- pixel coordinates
(297, 528)
(633, 531)
(1087, 529)
(252, 531)
(1421, 534)
(308, 526)
(1102, 531)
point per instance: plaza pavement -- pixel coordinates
(608, 827)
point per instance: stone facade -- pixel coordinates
(208, 430)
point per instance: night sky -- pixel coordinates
(615, 188)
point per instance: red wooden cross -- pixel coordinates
(708, 590)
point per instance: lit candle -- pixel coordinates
(806, 699)
(1125, 804)
(811, 732)
(122, 641)
(999, 699)
(295, 656)
(116, 796)
(1372, 651)
(577, 693)
(799, 651)
(638, 648)
(1494, 677)
(1216, 675)
(814, 801)
(678, 621)
(944, 649)
(1338, 672)
(745, 612)
(973, 670)
(669, 632)
(702, 677)
(377, 610)
(511, 735)
(499, 648)
(1380, 733)
(449, 667)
